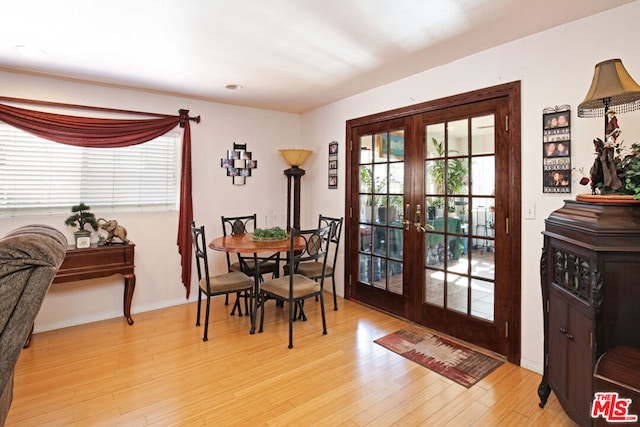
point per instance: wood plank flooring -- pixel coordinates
(159, 372)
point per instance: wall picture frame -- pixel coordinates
(333, 165)
(556, 149)
(239, 163)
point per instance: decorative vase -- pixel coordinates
(386, 214)
(83, 239)
(431, 212)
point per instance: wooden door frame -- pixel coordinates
(510, 91)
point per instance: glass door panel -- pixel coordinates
(381, 196)
(460, 196)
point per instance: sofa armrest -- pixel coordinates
(30, 256)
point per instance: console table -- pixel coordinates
(100, 261)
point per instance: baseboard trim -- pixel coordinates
(96, 317)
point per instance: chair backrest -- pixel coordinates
(336, 223)
(238, 224)
(200, 250)
(316, 247)
(232, 225)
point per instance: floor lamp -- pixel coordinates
(295, 158)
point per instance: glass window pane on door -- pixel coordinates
(381, 195)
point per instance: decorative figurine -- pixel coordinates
(603, 171)
(613, 130)
(113, 230)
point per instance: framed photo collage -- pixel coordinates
(556, 150)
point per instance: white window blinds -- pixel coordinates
(38, 176)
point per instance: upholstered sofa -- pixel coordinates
(29, 259)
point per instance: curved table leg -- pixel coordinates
(129, 287)
(543, 392)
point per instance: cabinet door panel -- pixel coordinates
(579, 362)
(557, 343)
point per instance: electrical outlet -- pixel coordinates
(530, 211)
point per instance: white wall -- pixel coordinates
(155, 234)
(555, 68)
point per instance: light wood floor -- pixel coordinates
(159, 372)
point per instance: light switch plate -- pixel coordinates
(530, 211)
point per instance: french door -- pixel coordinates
(432, 235)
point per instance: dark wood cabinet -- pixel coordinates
(589, 270)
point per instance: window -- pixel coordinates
(41, 176)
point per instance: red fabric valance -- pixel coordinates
(111, 133)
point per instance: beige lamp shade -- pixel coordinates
(295, 156)
(612, 88)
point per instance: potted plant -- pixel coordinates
(367, 185)
(628, 169)
(435, 207)
(395, 207)
(452, 172)
(80, 217)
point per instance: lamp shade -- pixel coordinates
(612, 88)
(295, 156)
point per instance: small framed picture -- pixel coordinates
(557, 181)
(333, 148)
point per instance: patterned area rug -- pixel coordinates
(448, 358)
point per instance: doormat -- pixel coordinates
(448, 358)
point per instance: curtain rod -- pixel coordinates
(86, 107)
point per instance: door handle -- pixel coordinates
(407, 216)
(418, 223)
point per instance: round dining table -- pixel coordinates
(246, 243)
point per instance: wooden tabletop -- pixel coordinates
(244, 243)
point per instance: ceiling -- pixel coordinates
(288, 55)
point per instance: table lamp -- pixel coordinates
(295, 157)
(612, 91)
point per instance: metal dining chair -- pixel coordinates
(295, 288)
(313, 269)
(222, 284)
(247, 264)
